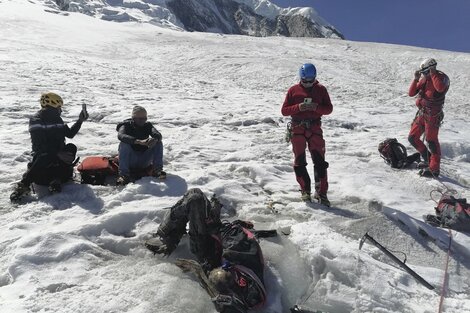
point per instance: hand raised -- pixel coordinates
(417, 75)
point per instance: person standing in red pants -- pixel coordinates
(431, 87)
(306, 103)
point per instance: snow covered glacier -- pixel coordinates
(216, 99)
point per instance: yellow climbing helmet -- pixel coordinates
(51, 99)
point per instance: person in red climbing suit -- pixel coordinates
(431, 87)
(306, 103)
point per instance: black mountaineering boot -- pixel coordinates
(426, 172)
(322, 199)
(306, 196)
(21, 190)
(55, 186)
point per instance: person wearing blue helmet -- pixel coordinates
(306, 102)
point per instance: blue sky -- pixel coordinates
(440, 24)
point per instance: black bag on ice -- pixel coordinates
(394, 154)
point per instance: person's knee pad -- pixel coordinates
(433, 146)
(320, 165)
(321, 168)
(412, 140)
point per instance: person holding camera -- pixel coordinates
(53, 160)
(306, 102)
(431, 87)
(140, 147)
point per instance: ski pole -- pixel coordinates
(395, 259)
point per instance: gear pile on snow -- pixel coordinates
(451, 213)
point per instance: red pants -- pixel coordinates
(429, 125)
(313, 137)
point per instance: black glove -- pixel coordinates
(83, 116)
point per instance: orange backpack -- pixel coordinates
(95, 169)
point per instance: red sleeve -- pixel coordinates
(325, 107)
(289, 108)
(413, 91)
(439, 82)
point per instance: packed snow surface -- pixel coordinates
(216, 99)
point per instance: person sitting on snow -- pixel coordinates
(431, 87)
(140, 147)
(53, 160)
(306, 103)
(228, 252)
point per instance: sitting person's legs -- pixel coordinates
(40, 171)
(157, 160)
(154, 157)
(127, 157)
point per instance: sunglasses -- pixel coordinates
(308, 81)
(139, 119)
(425, 71)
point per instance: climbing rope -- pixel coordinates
(445, 280)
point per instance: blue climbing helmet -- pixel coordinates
(308, 71)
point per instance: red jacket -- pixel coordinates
(432, 90)
(296, 95)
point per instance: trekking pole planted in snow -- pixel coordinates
(395, 259)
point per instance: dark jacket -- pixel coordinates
(129, 132)
(48, 131)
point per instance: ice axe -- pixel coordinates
(395, 259)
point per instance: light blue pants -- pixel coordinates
(129, 158)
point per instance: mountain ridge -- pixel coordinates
(260, 18)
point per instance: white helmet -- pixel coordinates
(427, 64)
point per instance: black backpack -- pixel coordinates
(240, 246)
(394, 154)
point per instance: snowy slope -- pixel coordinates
(217, 99)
